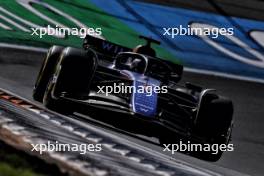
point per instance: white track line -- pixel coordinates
(5, 26)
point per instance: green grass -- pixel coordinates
(7, 170)
(17, 163)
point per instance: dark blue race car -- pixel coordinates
(134, 86)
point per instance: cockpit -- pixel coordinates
(142, 64)
(131, 61)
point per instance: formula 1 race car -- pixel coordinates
(134, 85)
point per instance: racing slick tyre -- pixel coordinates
(71, 79)
(214, 123)
(215, 116)
(46, 71)
(54, 103)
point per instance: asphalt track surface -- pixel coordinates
(18, 73)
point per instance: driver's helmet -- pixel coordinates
(135, 64)
(131, 61)
(146, 49)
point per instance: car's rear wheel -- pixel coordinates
(72, 79)
(46, 72)
(215, 116)
(214, 123)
